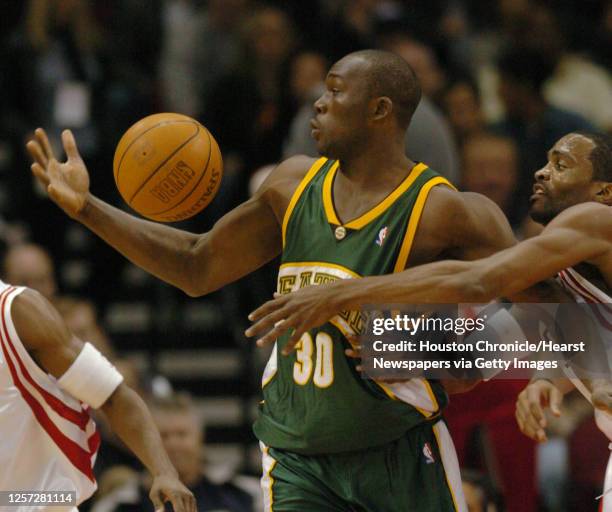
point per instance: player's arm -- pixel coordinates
(581, 233)
(243, 240)
(84, 373)
(456, 225)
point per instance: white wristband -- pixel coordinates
(91, 378)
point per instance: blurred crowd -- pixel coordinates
(502, 81)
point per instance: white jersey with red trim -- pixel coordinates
(584, 291)
(49, 441)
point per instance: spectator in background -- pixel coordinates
(133, 45)
(490, 168)
(530, 121)
(429, 138)
(422, 59)
(461, 103)
(51, 74)
(352, 27)
(200, 44)
(577, 83)
(182, 433)
(31, 265)
(245, 109)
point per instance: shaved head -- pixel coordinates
(390, 75)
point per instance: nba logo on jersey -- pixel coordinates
(382, 234)
(427, 451)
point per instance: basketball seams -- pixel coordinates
(203, 174)
(161, 123)
(156, 170)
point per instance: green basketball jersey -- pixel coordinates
(314, 399)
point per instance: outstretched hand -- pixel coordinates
(530, 407)
(301, 310)
(66, 183)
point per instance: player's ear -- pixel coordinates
(381, 108)
(604, 193)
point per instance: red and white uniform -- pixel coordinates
(584, 291)
(48, 439)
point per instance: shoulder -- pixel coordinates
(281, 183)
(458, 207)
(467, 221)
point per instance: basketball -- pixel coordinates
(168, 167)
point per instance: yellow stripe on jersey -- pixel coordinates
(379, 209)
(298, 192)
(415, 217)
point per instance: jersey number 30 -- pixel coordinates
(323, 367)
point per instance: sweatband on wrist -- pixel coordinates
(91, 378)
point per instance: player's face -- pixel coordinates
(566, 180)
(340, 123)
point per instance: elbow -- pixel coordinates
(193, 278)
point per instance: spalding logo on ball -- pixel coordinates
(168, 167)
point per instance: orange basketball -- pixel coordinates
(168, 167)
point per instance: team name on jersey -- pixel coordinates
(293, 276)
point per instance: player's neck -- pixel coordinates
(376, 164)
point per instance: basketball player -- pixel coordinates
(363, 209)
(572, 197)
(48, 381)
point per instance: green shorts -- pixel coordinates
(416, 473)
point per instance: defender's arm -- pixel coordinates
(47, 339)
(581, 233)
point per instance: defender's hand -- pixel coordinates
(530, 407)
(300, 310)
(601, 395)
(169, 488)
(66, 183)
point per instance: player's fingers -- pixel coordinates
(534, 426)
(529, 426)
(179, 503)
(266, 322)
(191, 503)
(70, 147)
(554, 400)
(40, 174)
(298, 332)
(266, 308)
(534, 399)
(36, 153)
(43, 140)
(354, 352)
(157, 502)
(279, 329)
